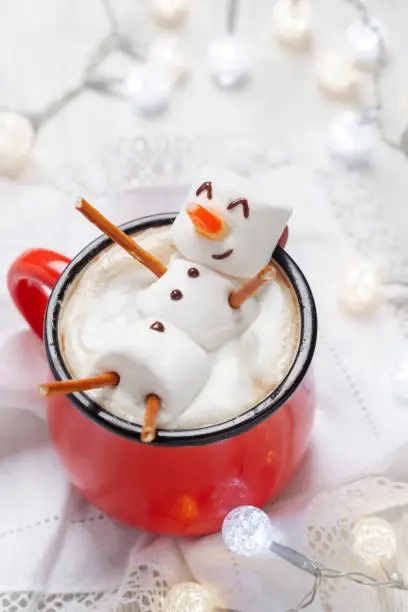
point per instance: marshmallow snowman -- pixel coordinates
(156, 358)
(195, 299)
(229, 224)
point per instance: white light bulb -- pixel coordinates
(148, 90)
(337, 76)
(16, 141)
(291, 23)
(168, 54)
(366, 43)
(169, 13)
(189, 597)
(247, 531)
(374, 540)
(351, 140)
(360, 290)
(230, 61)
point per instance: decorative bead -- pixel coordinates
(230, 61)
(366, 43)
(400, 380)
(247, 531)
(189, 597)
(169, 13)
(337, 76)
(168, 54)
(361, 290)
(148, 90)
(291, 23)
(351, 139)
(374, 540)
(16, 141)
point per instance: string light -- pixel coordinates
(374, 537)
(189, 596)
(375, 540)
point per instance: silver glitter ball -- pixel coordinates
(351, 140)
(230, 62)
(247, 531)
(365, 40)
(148, 90)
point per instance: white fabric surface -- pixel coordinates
(53, 541)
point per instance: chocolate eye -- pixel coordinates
(240, 202)
(157, 326)
(176, 294)
(193, 272)
(207, 186)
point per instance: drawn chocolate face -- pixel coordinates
(227, 225)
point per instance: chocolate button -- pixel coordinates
(193, 272)
(157, 326)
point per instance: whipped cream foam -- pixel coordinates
(102, 307)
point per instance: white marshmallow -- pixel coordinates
(203, 311)
(167, 363)
(252, 238)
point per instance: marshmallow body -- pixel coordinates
(255, 214)
(155, 357)
(195, 299)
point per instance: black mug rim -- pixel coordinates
(189, 437)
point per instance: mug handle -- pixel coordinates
(28, 279)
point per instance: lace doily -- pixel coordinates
(142, 590)
(331, 517)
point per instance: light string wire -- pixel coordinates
(378, 74)
(113, 41)
(321, 572)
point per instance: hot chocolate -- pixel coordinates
(228, 362)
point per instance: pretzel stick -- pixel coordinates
(109, 379)
(238, 297)
(122, 239)
(149, 425)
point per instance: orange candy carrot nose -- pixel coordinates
(207, 223)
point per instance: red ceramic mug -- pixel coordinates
(185, 482)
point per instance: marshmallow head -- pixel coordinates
(155, 357)
(195, 299)
(230, 224)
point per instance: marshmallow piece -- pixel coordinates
(255, 214)
(195, 299)
(155, 357)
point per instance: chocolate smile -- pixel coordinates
(222, 255)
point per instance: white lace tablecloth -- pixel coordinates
(57, 551)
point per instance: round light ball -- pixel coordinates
(247, 531)
(189, 597)
(16, 142)
(365, 40)
(230, 62)
(169, 56)
(337, 76)
(148, 89)
(375, 540)
(351, 140)
(291, 23)
(169, 13)
(361, 290)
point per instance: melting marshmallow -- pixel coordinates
(254, 216)
(195, 299)
(154, 357)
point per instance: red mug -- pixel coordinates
(185, 482)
